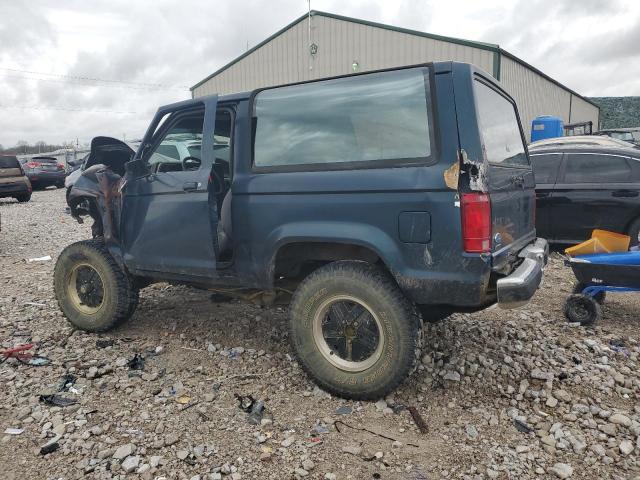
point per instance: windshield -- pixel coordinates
(626, 136)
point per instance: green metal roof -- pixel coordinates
(496, 49)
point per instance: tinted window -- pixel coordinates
(584, 168)
(9, 162)
(374, 117)
(502, 142)
(170, 151)
(545, 167)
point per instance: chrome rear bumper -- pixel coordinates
(516, 289)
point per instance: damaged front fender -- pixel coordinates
(98, 194)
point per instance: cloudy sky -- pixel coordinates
(75, 69)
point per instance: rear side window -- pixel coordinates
(367, 118)
(501, 139)
(545, 167)
(597, 168)
(9, 162)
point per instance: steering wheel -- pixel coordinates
(191, 163)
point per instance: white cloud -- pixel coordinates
(591, 46)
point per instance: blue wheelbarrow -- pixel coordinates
(597, 274)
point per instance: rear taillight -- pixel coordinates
(475, 209)
(60, 166)
(33, 164)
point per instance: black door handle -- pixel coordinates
(625, 193)
(190, 186)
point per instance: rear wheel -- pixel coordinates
(582, 309)
(24, 198)
(93, 292)
(353, 331)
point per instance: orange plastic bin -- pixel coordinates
(601, 241)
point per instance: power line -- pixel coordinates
(83, 84)
(72, 82)
(65, 109)
(95, 79)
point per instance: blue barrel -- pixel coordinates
(546, 126)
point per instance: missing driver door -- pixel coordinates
(167, 214)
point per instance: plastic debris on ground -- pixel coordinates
(14, 431)
(136, 363)
(57, 400)
(344, 410)
(46, 258)
(521, 426)
(20, 353)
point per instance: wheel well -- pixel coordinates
(299, 258)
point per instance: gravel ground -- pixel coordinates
(504, 394)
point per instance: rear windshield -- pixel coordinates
(9, 162)
(501, 139)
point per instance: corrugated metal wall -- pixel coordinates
(535, 95)
(286, 58)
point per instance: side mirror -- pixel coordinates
(136, 168)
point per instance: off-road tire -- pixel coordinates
(582, 309)
(598, 297)
(401, 325)
(120, 297)
(24, 198)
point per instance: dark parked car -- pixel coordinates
(44, 172)
(583, 186)
(13, 181)
(376, 198)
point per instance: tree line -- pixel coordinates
(26, 148)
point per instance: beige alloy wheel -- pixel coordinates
(348, 333)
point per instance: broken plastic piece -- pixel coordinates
(257, 410)
(136, 363)
(57, 400)
(46, 258)
(521, 426)
(65, 382)
(344, 410)
(14, 431)
(49, 447)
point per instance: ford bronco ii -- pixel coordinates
(378, 199)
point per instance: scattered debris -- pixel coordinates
(344, 410)
(136, 363)
(419, 421)
(19, 352)
(66, 382)
(257, 411)
(521, 426)
(57, 400)
(51, 446)
(46, 258)
(183, 399)
(14, 431)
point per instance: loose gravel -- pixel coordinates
(504, 394)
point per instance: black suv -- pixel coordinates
(376, 198)
(586, 183)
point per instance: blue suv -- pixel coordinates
(377, 200)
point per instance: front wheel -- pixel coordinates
(92, 290)
(353, 331)
(24, 197)
(582, 309)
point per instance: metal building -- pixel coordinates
(320, 44)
